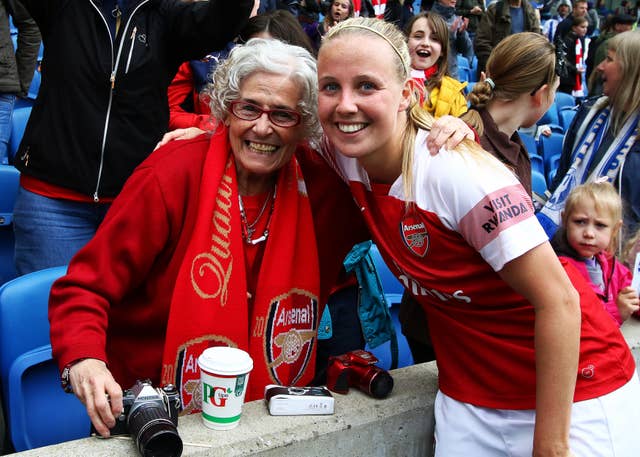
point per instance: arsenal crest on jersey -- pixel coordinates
(414, 234)
(290, 335)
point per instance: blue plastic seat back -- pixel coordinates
(34, 88)
(550, 146)
(552, 168)
(537, 163)
(393, 289)
(564, 100)
(566, 117)
(38, 411)
(463, 62)
(538, 182)
(550, 117)
(530, 143)
(9, 181)
(19, 120)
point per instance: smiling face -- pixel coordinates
(362, 101)
(589, 231)
(340, 10)
(424, 46)
(260, 148)
(611, 73)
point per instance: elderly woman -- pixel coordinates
(211, 242)
(602, 141)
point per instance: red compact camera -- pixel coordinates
(357, 369)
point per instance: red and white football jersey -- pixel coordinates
(469, 217)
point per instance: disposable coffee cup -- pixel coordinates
(224, 374)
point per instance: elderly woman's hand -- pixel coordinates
(94, 385)
(179, 134)
(449, 131)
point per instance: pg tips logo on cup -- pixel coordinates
(218, 395)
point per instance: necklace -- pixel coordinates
(249, 229)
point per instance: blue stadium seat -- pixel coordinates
(464, 74)
(566, 117)
(13, 30)
(537, 163)
(19, 120)
(550, 146)
(38, 411)
(564, 100)
(463, 62)
(393, 289)
(538, 182)
(35, 85)
(553, 163)
(474, 69)
(550, 117)
(529, 142)
(9, 181)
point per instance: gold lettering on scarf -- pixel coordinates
(211, 271)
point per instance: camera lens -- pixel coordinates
(381, 384)
(154, 433)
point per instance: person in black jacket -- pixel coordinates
(16, 66)
(102, 107)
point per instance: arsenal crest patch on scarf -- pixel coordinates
(414, 234)
(289, 335)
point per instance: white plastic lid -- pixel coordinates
(225, 360)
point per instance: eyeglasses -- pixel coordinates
(560, 68)
(250, 112)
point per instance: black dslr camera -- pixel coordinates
(357, 368)
(150, 416)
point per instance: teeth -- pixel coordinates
(350, 128)
(261, 147)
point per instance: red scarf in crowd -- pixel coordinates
(209, 306)
(577, 88)
(423, 78)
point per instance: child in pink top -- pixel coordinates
(588, 238)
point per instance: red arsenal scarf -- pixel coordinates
(209, 306)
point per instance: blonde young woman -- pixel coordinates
(458, 230)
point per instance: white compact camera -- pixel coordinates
(296, 401)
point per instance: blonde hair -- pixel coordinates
(626, 101)
(417, 117)
(519, 64)
(606, 200)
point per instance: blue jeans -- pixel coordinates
(6, 110)
(49, 231)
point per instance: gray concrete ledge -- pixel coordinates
(400, 425)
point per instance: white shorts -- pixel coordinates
(606, 426)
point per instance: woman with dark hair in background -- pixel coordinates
(187, 107)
